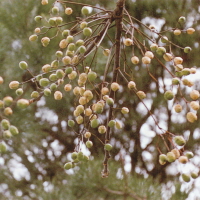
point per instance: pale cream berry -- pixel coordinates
(191, 117)
(44, 2)
(183, 159)
(83, 77)
(76, 113)
(128, 42)
(178, 108)
(178, 60)
(125, 110)
(149, 54)
(68, 11)
(76, 90)
(8, 111)
(80, 109)
(87, 135)
(83, 100)
(115, 86)
(168, 57)
(146, 60)
(106, 52)
(46, 68)
(194, 105)
(190, 31)
(194, 94)
(66, 60)
(135, 60)
(88, 112)
(177, 32)
(118, 125)
(75, 59)
(104, 91)
(37, 30)
(105, 97)
(193, 70)
(82, 90)
(14, 85)
(131, 85)
(1, 80)
(179, 67)
(88, 94)
(176, 152)
(93, 117)
(67, 87)
(72, 75)
(58, 95)
(102, 129)
(141, 94)
(63, 44)
(79, 119)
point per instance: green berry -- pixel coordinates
(194, 175)
(5, 124)
(80, 156)
(14, 131)
(3, 147)
(94, 123)
(22, 103)
(179, 140)
(68, 165)
(44, 82)
(71, 123)
(169, 95)
(164, 39)
(92, 76)
(79, 43)
(161, 51)
(59, 73)
(108, 147)
(65, 33)
(110, 101)
(35, 94)
(55, 10)
(171, 157)
(187, 49)
(71, 47)
(53, 87)
(175, 81)
(112, 123)
(186, 177)
(70, 38)
(87, 31)
(19, 91)
(85, 10)
(189, 155)
(82, 49)
(68, 70)
(83, 25)
(47, 92)
(181, 19)
(74, 155)
(7, 101)
(89, 144)
(38, 18)
(7, 134)
(23, 65)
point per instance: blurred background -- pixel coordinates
(32, 168)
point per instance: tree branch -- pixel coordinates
(117, 16)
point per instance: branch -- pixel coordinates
(117, 16)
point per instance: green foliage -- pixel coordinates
(45, 140)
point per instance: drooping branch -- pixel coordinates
(117, 17)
